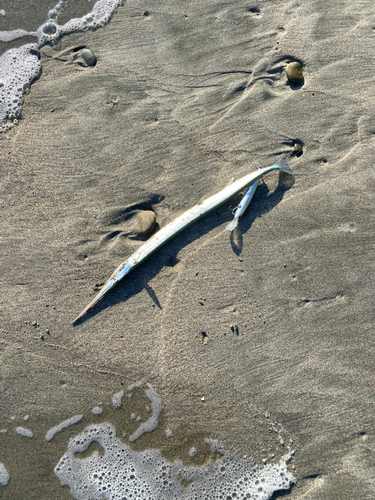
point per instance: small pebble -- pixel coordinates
(89, 57)
(298, 148)
(145, 222)
(294, 72)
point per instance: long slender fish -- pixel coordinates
(173, 228)
(242, 206)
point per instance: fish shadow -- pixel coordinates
(139, 278)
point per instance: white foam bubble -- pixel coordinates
(4, 476)
(121, 472)
(8, 36)
(101, 13)
(133, 386)
(97, 410)
(153, 421)
(116, 399)
(24, 432)
(54, 12)
(63, 425)
(18, 69)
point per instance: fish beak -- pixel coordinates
(110, 284)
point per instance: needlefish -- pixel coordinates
(244, 203)
(184, 220)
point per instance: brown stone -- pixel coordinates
(145, 221)
(294, 72)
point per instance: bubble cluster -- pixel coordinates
(4, 476)
(121, 473)
(116, 399)
(18, 69)
(101, 13)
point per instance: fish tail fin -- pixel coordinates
(232, 225)
(283, 167)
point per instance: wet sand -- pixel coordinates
(183, 99)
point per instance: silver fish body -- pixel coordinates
(242, 206)
(173, 228)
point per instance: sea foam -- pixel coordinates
(121, 473)
(20, 67)
(4, 476)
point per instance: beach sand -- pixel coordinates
(184, 97)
